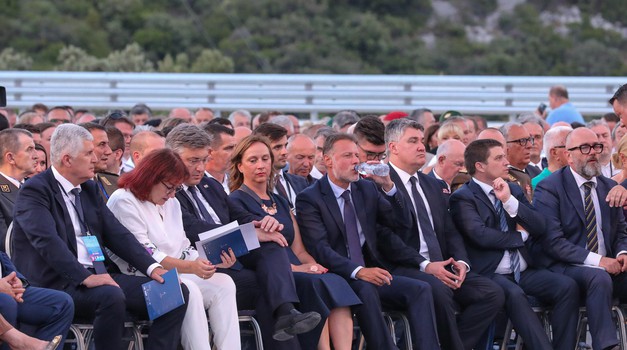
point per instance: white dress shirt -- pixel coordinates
(291, 193)
(159, 228)
(511, 207)
(315, 173)
(225, 183)
(593, 259)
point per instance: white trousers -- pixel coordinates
(217, 296)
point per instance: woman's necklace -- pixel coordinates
(270, 210)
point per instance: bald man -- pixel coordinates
(143, 143)
(182, 113)
(586, 238)
(450, 161)
(301, 154)
(241, 132)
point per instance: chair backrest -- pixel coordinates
(8, 242)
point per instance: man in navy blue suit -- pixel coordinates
(263, 279)
(61, 227)
(443, 262)
(49, 311)
(586, 237)
(348, 226)
(496, 220)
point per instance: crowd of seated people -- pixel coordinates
(467, 226)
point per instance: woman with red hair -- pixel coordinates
(146, 205)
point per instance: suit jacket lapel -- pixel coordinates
(606, 221)
(69, 228)
(329, 199)
(573, 193)
(213, 199)
(479, 194)
(400, 186)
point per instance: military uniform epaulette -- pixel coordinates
(461, 178)
(108, 183)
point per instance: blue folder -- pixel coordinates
(163, 298)
(233, 240)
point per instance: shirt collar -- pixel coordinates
(580, 180)
(13, 180)
(484, 187)
(337, 190)
(65, 183)
(402, 174)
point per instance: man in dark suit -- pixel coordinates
(586, 238)
(267, 275)
(49, 311)
(220, 151)
(443, 262)
(17, 161)
(285, 184)
(358, 243)
(61, 227)
(496, 219)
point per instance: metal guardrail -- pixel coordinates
(486, 95)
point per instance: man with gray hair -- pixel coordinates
(60, 230)
(449, 162)
(424, 116)
(319, 169)
(285, 122)
(535, 126)
(555, 150)
(518, 151)
(344, 119)
(301, 153)
(604, 134)
(442, 261)
(241, 117)
(17, 161)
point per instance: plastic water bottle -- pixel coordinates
(378, 169)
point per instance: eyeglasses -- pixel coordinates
(170, 189)
(374, 155)
(585, 148)
(523, 142)
(560, 146)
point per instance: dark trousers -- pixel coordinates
(107, 306)
(596, 286)
(405, 294)
(275, 287)
(49, 311)
(552, 289)
(479, 298)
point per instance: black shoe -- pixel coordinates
(287, 326)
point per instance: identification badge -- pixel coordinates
(93, 248)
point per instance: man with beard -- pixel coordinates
(604, 134)
(586, 238)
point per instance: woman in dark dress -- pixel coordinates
(325, 293)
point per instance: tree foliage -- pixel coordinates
(310, 36)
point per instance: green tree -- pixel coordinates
(13, 60)
(212, 61)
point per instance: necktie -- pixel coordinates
(592, 242)
(202, 211)
(281, 189)
(428, 234)
(78, 206)
(514, 255)
(352, 234)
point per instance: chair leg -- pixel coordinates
(507, 335)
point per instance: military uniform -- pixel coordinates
(523, 180)
(107, 183)
(461, 178)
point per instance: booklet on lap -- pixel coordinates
(240, 238)
(162, 298)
